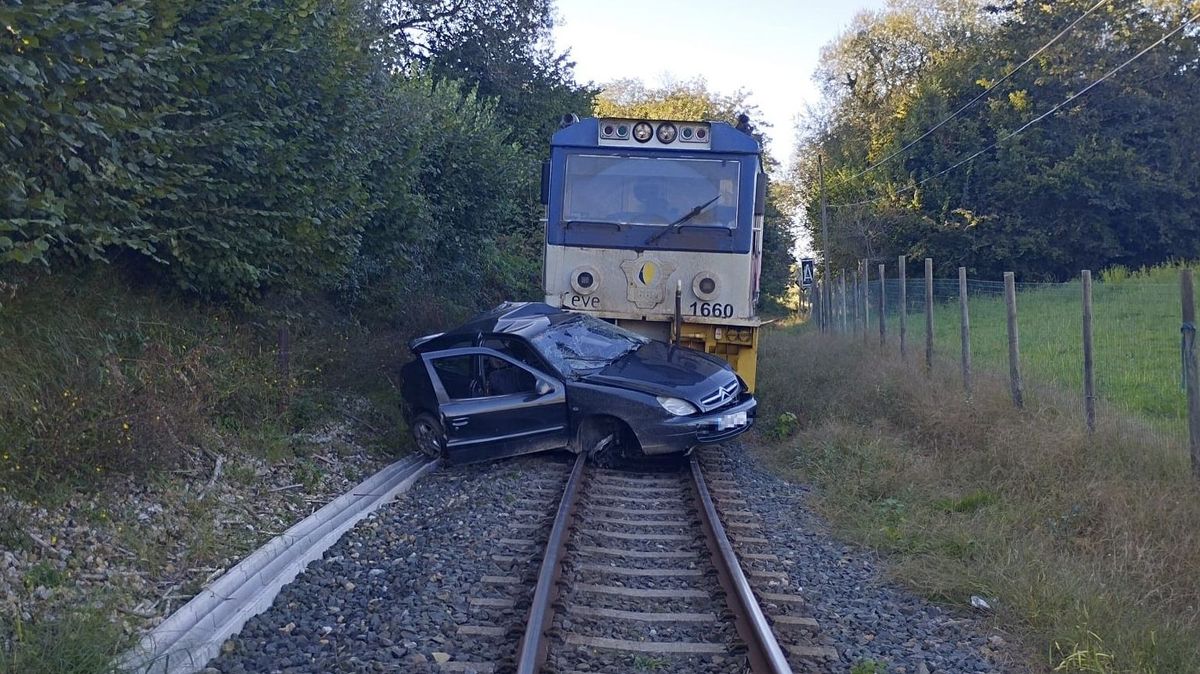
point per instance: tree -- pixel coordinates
(1099, 182)
(501, 48)
(298, 145)
(681, 100)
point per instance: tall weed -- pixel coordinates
(1087, 544)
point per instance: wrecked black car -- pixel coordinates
(527, 377)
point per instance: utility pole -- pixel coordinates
(824, 217)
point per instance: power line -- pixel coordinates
(1040, 117)
(975, 100)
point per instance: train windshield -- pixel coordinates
(658, 191)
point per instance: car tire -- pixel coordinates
(600, 438)
(428, 434)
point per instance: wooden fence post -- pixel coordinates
(1014, 341)
(965, 330)
(812, 305)
(903, 309)
(830, 311)
(818, 309)
(854, 298)
(866, 303)
(1191, 373)
(837, 305)
(882, 305)
(1089, 361)
(839, 310)
(858, 299)
(929, 314)
(842, 290)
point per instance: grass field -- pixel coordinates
(1086, 546)
(1136, 322)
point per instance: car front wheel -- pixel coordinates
(429, 436)
(600, 437)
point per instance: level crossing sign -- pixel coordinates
(808, 267)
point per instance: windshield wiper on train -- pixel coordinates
(674, 226)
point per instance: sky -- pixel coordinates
(768, 47)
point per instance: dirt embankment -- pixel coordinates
(148, 443)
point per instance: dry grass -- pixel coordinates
(1089, 546)
(111, 388)
(101, 377)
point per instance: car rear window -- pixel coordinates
(582, 344)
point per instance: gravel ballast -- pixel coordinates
(860, 613)
(402, 591)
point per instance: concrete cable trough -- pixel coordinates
(190, 637)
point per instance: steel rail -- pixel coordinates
(766, 657)
(531, 654)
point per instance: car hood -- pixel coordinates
(658, 368)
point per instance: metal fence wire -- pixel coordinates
(1137, 364)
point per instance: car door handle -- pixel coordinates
(459, 423)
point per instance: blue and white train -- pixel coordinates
(657, 226)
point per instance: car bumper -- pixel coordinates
(679, 434)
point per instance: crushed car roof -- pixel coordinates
(523, 318)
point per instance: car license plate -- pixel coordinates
(731, 421)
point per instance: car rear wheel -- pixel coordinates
(428, 434)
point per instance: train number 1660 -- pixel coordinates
(712, 309)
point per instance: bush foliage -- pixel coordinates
(234, 147)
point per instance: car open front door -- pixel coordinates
(492, 405)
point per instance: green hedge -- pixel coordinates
(229, 147)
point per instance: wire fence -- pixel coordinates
(1134, 373)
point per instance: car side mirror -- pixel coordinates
(543, 388)
(545, 191)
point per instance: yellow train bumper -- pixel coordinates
(738, 345)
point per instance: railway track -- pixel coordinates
(550, 566)
(641, 573)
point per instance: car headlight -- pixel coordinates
(680, 408)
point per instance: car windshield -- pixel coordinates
(582, 344)
(650, 190)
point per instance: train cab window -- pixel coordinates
(651, 190)
(458, 376)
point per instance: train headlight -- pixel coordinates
(666, 133)
(745, 335)
(585, 280)
(706, 286)
(643, 132)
